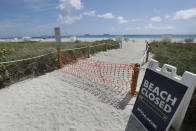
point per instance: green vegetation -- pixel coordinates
(12, 72)
(183, 56)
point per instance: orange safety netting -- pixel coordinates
(109, 74)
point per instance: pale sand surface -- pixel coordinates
(60, 102)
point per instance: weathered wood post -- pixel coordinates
(59, 58)
(88, 51)
(58, 40)
(146, 45)
(134, 78)
(147, 53)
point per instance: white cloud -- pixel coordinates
(106, 16)
(69, 19)
(121, 20)
(156, 19)
(90, 13)
(68, 5)
(150, 26)
(167, 16)
(185, 14)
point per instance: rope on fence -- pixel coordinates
(31, 58)
(144, 58)
(35, 57)
(99, 45)
(74, 48)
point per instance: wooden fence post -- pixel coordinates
(134, 79)
(58, 40)
(88, 51)
(59, 58)
(147, 53)
(146, 46)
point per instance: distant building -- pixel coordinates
(44, 37)
(15, 39)
(188, 40)
(26, 38)
(167, 38)
(73, 38)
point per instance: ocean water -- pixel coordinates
(113, 36)
(125, 36)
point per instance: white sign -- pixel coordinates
(163, 97)
(57, 34)
(119, 39)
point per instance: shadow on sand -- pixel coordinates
(112, 96)
(124, 102)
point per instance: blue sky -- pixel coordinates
(39, 17)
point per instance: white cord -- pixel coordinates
(7, 62)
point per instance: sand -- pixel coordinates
(60, 102)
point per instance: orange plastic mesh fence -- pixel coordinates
(109, 74)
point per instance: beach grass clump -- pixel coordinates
(183, 57)
(11, 51)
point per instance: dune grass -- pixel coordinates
(13, 72)
(183, 56)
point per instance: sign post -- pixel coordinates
(58, 40)
(58, 36)
(119, 39)
(162, 96)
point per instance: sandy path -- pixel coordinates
(131, 52)
(59, 102)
